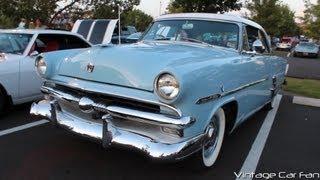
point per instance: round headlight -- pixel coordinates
(41, 66)
(167, 86)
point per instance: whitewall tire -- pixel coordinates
(211, 148)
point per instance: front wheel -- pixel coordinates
(2, 102)
(215, 133)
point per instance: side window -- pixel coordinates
(255, 36)
(264, 40)
(54, 42)
(47, 43)
(74, 42)
(245, 43)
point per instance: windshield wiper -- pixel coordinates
(197, 41)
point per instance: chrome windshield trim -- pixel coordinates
(214, 97)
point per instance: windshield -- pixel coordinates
(310, 45)
(286, 40)
(14, 43)
(209, 32)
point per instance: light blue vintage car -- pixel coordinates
(306, 49)
(190, 80)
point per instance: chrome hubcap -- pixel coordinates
(213, 132)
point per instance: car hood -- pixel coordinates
(307, 49)
(137, 65)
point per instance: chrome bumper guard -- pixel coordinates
(110, 135)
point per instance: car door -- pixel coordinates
(253, 73)
(30, 82)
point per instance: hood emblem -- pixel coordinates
(90, 67)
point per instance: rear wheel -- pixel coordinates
(211, 147)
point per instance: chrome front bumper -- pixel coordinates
(110, 135)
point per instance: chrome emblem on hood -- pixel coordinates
(90, 68)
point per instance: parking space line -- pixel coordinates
(251, 162)
(23, 127)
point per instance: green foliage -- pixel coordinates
(208, 6)
(6, 22)
(312, 19)
(108, 9)
(275, 17)
(138, 19)
(28, 9)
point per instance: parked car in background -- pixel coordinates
(133, 38)
(126, 31)
(287, 43)
(306, 49)
(19, 82)
(275, 41)
(95, 31)
(190, 80)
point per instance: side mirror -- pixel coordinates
(34, 54)
(258, 46)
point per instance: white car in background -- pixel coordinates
(19, 82)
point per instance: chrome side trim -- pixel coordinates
(214, 97)
(151, 118)
(114, 94)
(244, 87)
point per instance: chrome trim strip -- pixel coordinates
(151, 118)
(114, 94)
(214, 97)
(126, 113)
(243, 87)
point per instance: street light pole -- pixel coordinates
(119, 21)
(160, 8)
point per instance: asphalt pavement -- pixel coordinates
(305, 68)
(47, 152)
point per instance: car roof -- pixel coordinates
(210, 16)
(37, 31)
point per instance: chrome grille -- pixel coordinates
(110, 100)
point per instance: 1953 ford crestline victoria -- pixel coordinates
(191, 79)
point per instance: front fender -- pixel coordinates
(54, 59)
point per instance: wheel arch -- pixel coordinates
(230, 107)
(7, 96)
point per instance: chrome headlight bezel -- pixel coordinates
(41, 66)
(167, 82)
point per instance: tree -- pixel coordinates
(108, 9)
(137, 18)
(6, 22)
(28, 9)
(275, 17)
(311, 19)
(208, 6)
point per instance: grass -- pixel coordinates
(303, 87)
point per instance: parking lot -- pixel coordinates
(46, 152)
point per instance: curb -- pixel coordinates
(306, 101)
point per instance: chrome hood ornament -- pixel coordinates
(90, 67)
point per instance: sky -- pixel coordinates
(152, 7)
